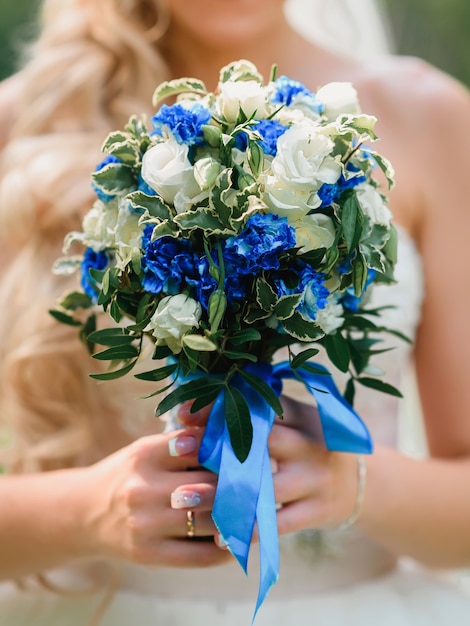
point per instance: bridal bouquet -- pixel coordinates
(237, 223)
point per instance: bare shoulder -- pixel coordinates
(10, 95)
(418, 93)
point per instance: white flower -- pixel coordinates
(128, 233)
(247, 95)
(331, 317)
(99, 225)
(289, 202)
(314, 231)
(338, 98)
(165, 167)
(304, 158)
(373, 205)
(175, 315)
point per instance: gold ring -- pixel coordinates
(190, 524)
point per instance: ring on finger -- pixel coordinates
(190, 524)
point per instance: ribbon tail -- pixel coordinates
(244, 493)
(343, 429)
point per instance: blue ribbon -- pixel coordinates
(245, 492)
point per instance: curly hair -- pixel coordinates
(93, 65)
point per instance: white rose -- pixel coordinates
(304, 158)
(128, 234)
(99, 225)
(165, 167)
(247, 95)
(331, 317)
(338, 98)
(373, 204)
(314, 231)
(175, 315)
(290, 202)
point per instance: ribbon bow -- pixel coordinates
(245, 492)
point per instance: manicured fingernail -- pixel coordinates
(185, 499)
(179, 446)
(221, 541)
(274, 465)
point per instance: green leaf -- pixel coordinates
(154, 205)
(379, 385)
(116, 353)
(302, 330)
(350, 391)
(216, 309)
(76, 300)
(240, 356)
(352, 220)
(238, 418)
(204, 218)
(264, 390)
(244, 336)
(199, 343)
(176, 87)
(158, 374)
(114, 178)
(265, 295)
(111, 337)
(115, 373)
(63, 318)
(360, 271)
(338, 351)
(286, 306)
(188, 391)
(302, 357)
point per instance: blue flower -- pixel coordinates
(183, 122)
(168, 264)
(104, 197)
(329, 193)
(270, 131)
(235, 285)
(288, 91)
(92, 260)
(302, 279)
(350, 301)
(258, 246)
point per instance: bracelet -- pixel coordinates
(361, 488)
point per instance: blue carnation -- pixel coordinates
(92, 260)
(329, 193)
(183, 122)
(270, 131)
(168, 264)
(302, 279)
(288, 91)
(104, 197)
(235, 285)
(258, 246)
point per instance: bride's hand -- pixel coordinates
(314, 488)
(138, 498)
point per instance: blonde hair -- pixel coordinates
(94, 64)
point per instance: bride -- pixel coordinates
(94, 499)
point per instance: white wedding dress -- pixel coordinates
(326, 578)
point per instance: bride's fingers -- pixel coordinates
(287, 444)
(189, 418)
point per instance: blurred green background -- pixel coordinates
(437, 30)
